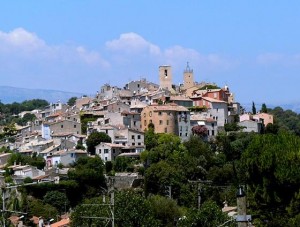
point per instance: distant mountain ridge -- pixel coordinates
(13, 94)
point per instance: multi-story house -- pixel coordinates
(116, 106)
(167, 118)
(64, 126)
(132, 120)
(108, 92)
(217, 109)
(108, 151)
(265, 118)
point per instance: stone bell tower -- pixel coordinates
(188, 77)
(165, 77)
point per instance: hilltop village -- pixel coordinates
(125, 114)
(60, 134)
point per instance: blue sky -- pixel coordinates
(72, 45)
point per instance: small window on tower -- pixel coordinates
(166, 73)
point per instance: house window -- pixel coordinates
(105, 158)
(139, 136)
(105, 151)
(132, 137)
(167, 122)
(150, 114)
(166, 130)
(133, 144)
(99, 151)
(61, 126)
(134, 123)
(159, 113)
(186, 134)
(75, 126)
(160, 122)
(212, 132)
(180, 134)
(114, 150)
(106, 131)
(139, 144)
(145, 122)
(180, 128)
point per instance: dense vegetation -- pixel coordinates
(286, 119)
(9, 112)
(176, 174)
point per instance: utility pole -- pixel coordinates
(4, 189)
(111, 204)
(199, 188)
(242, 218)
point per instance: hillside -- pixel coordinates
(13, 94)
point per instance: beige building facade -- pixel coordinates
(167, 118)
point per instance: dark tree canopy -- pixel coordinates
(57, 199)
(264, 108)
(253, 108)
(72, 101)
(96, 138)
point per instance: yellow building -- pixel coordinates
(167, 118)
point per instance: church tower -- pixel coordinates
(165, 77)
(188, 77)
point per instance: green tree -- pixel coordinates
(264, 108)
(72, 101)
(57, 199)
(271, 166)
(122, 164)
(209, 215)
(132, 209)
(151, 137)
(96, 138)
(253, 108)
(89, 174)
(165, 209)
(108, 166)
(37, 208)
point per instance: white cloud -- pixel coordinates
(136, 45)
(132, 43)
(28, 46)
(20, 39)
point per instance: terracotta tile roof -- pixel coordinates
(213, 100)
(169, 107)
(61, 223)
(114, 145)
(179, 98)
